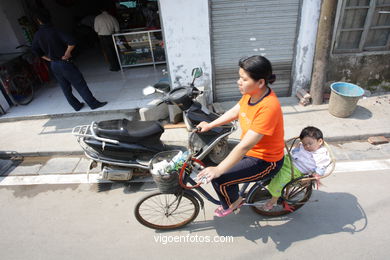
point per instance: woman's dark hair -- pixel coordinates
(258, 67)
(42, 15)
(312, 132)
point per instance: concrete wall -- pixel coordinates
(10, 11)
(370, 72)
(186, 30)
(306, 42)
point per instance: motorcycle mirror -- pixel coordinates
(197, 72)
(148, 90)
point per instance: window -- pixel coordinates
(364, 25)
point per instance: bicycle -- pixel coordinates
(38, 69)
(21, 75)
(20, 89)
(179, 204)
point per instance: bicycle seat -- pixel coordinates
(129, 131)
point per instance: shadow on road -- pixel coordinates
(328, 213)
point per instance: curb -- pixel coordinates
(233, 140)
(357, 137)
(71, 114)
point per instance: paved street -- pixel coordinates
(84, 221)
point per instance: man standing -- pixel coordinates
(105, 25)
(56, 47)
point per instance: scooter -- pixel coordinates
(124, 148)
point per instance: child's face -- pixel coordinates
(311, 144)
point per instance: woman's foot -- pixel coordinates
(220, 212)
(220, 208)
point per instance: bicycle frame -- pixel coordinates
(209, 197)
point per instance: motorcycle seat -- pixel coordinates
(128, 131)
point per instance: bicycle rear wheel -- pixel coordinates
(297, 191)
(261, 195)
(166, 211)
(21, 89)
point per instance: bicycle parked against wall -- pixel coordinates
(21, 76)
(180, 197)
(20, 89)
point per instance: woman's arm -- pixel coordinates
(228, 116)
(249, 140)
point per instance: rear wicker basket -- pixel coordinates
(169, 181)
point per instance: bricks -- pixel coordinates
(378, 140)
(304, 97)
(153, 112)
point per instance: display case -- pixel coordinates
(139, 48)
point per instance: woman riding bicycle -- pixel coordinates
(260, 153)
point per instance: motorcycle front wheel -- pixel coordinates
(166, 211)
(219, 152)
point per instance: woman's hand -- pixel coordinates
(208, 174)
(66, 56)
(204, 126)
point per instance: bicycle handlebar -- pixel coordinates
(182, 172)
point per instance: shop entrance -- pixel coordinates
(121, 89)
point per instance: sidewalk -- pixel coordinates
(52, 136)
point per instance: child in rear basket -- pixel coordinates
(310, 157)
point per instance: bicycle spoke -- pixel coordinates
(166, 211)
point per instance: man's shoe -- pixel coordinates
(81, 106)
(100, 104)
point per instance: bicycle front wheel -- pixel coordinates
(166, 211)
(21, 89)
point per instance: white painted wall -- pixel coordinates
(306, 42)
(186, 29)
(12, 34)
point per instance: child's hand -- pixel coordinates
(318, 178)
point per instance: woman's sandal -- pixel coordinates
(220, 212)
(220, 208)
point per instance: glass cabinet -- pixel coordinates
(139, 48)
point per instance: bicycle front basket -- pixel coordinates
(167, 181)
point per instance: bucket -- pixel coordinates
(343, 98)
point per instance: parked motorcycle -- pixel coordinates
(126, 147)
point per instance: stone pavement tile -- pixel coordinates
(82, 167)
(288, 110)
(5, 165)
(338, 153)
(25, 170)
(385, 148)
(361, 150)
(60, 165)
(361, 155)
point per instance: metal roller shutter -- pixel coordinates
(249, 27)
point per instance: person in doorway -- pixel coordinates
(260, 153)
(105, 25)
(310, 157)
(56, 47)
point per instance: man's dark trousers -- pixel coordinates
(109, 49)
(67, 74)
